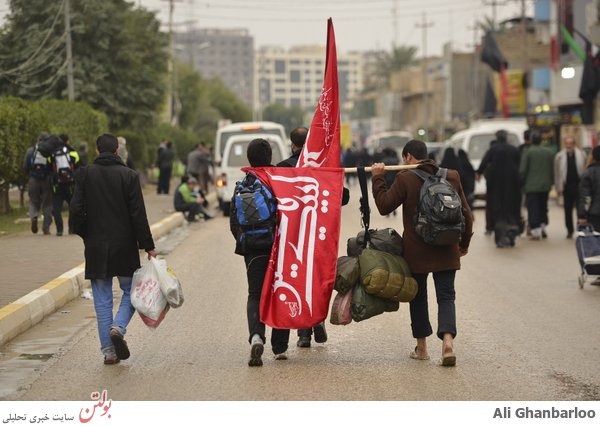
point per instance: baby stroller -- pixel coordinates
(588, 252)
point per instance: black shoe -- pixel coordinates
(34, 225)
(303, 342)
(120, 344)
(320, 333)
(59, 233)
(544, 235)
(569, 236)
(46, 231)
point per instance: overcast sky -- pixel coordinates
(358, 24)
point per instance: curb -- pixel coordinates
(24, 313)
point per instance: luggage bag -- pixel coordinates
(587, 243)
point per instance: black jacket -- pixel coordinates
(109, 196)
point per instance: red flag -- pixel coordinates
(302, 267)
(322, 146)
(300, 277)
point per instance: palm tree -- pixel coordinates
(386, 63)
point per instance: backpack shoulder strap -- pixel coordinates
(443, 172)
(421, 173)
(365, 210)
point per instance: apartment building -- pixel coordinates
(294, 77)
(224, 53)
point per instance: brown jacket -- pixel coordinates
(421, 257)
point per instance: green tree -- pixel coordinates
(290, 117)
(20, 124)
(204, 102)
(225, 101)
(119, 57)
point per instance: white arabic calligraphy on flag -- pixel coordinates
(301, 274)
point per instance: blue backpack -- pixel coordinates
(253, 209)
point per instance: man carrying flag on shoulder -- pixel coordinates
(298, 139)
(300, 276)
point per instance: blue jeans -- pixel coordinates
(103, 304)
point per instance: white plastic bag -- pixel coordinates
(146, 295)
(169, 284)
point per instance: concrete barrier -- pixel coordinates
(30, 309)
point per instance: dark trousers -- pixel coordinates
(40, 200)
(445, 295)
(305, 332)
(164, 180)
(570, 196)
(537, 209)
(192, 210)
(256, 267)
(62, 193)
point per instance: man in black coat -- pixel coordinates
(110, 216)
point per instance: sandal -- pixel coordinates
(111, 359)
(449, 359)
(415, 355)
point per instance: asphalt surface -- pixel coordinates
(526, 332)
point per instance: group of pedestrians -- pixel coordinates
(51, 169)
(423, 259)
(51, 164)
(524, 176)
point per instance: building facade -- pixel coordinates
(224, 53)
(294, 77)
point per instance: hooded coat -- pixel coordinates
(108, 194)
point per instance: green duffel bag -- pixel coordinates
(365, 305)
(386, 275)
(385, 239)
(347, 274)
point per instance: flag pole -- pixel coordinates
(386, 168)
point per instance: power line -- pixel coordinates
(39, 48)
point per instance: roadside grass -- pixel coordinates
(14, 222)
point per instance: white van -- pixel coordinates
(394, 139)
(244, 128)
(235, 157)
(475, 141)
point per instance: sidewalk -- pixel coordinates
(36, 265)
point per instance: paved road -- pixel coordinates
(30, 260)
(526, 332)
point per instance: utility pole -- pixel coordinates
(475, 70)
(423, 26)
(171, 67)
(494, 3)
(525, 55)
(395, 23)
(70, 84)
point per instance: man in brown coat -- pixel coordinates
(423, 258)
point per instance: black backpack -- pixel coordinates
(38, 165)
(439, 219)
(63, 166)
